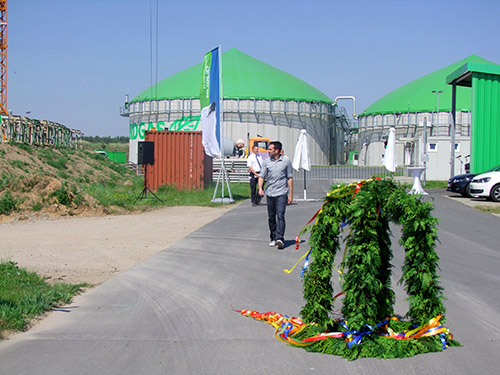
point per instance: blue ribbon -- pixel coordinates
(306, 263)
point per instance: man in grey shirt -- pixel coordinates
(277, 170)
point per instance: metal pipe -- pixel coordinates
(353, 103)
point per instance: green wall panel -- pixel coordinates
(485, 139)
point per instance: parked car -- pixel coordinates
(486, 185)
(460, 183)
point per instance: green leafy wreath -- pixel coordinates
(368, 305)
(368, 327)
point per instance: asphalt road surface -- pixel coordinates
(172, 314)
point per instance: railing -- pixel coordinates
(347, 173)
(237, 171)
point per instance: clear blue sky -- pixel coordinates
(73, 61)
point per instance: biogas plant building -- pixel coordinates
(259, 99)
(421, 113)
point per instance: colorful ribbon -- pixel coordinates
(287, 327)
(306, 263)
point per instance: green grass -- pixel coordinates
(125, 196)
(489, 210)
(25, 295)
(22, 165)
(7, 203)
(23, 146)
(431, 184)
(52, 158)
(4, 180)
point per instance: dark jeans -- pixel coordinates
(276, 207)
(254, 189)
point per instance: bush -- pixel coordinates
(7, 204)
(63, 196)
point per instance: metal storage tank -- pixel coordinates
(259, 99)
(408, 108)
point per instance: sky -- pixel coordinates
(73, 61)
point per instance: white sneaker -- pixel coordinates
(280, 244)
(272, 243)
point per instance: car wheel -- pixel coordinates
(495, 193)
(467, 191)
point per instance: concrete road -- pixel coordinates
(172, 314)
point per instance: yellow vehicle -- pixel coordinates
(262, 143)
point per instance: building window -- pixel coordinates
(432, 147)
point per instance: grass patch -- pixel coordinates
(23, 146)
(25, 295)
(63, 175)
(52, 158)
(36, 207)
(489, 210)
(7, 203)
(433, 184)
(4, 181)
(125, 196)
(22, 165)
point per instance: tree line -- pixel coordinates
(106, 140)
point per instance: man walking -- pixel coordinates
(277, 170)
(254, 163)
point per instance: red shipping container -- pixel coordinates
(179, 159)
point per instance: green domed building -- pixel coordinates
(258, 99)
(426, 99)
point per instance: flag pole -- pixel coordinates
(222, 173)
(221, 119)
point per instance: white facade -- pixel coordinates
(414, 147)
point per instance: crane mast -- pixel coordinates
(3, 57)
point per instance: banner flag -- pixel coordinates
(210, 103)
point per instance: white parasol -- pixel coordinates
(390, 151)
(301, 157)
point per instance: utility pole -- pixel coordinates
(437, 106)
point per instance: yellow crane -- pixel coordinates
(3, 57)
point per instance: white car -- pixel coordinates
(486, 185)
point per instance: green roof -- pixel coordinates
(417, 95)
(463, 75)
(244, 77)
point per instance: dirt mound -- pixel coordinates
(43, 182)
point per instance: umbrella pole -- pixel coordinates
(305, 192)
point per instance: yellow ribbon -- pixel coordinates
(295, 265)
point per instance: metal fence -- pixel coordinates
(347, 173)
(237, 171)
